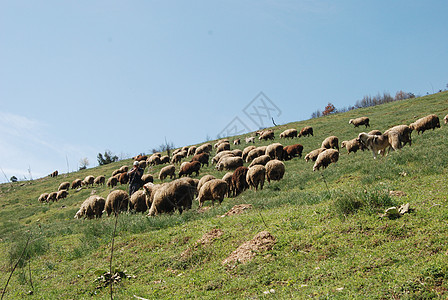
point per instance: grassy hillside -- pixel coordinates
(330, 241)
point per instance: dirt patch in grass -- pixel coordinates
(262, 242)
(205, 240)
(237, 209)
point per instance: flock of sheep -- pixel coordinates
(264, 163)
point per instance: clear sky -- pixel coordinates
(80, 77)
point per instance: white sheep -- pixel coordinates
(325, 158)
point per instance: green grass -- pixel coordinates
(330, 239)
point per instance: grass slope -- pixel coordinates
(330, 242)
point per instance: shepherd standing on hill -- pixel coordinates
(135, 178)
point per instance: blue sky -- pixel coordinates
(80, 77)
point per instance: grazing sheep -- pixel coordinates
(237, 142)
(214, 189)
(124, 178)
(177, 158)
(237, 152)
(64, 186)
(167, 197)
(360, 121)
(43, 197)
(267, 135)
(254, 153)
(331, 142)
(176, 151)
(250, 139)
(189, 168)
(375, 143)
(165, 159)
(191, 181)
(116, 172)
(223, 147)
(88, 180)
(112, 181)
(99, 180)
(228, 178)
(124, 169)
(403, 134)
(314, 154)
(246, 151)
(352, 145)
(61, 195)
(445, 119)
(229, 163)
(147, 178)
(325, 158)
(54, 174)
(204, 179)
(116, 201)
(289, 133)
(425, 123)
(154, 160)
(76, 183)
(221, 154)
(52, 196)
(140, 157)
(207, 147)
(255, 176)
(203, 158)
(261, 160)
(306, 131)
(167, 171)
(185, 148)
(223, 141)
(191, 150)
(239, 183)
(275, 151)
(137, 201)
(275, 170)
(375, 132)
(292, 151)
(92, 207)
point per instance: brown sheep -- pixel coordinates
(207, 147)
(314, 154)
(360, 121)
(54, 174)
(239, 183)
(352, 145)
(275, 151)
(137, 201)
(140, 157)
(64, 186)
(223, 147)
(154, 160)
(88, 180)
(165, 159)
(76, 183)
(331, 142)
(267, 135)
(189, 168)
(261, 160)
(147, 178)
(203, 158)
(255, 176)
(52, 196)
(292, 151)
(92, 207)
(325, 158)
(237, 142)
(254, 153)
(116, 201)
(204, 179)
(99, 180)
(167, 171)
(43, 197)
(214, 189)
(61, 195)
(246, 151)
(375, 132)
(445, 119)
(229, 163)
(124, 178)
(112, 181)
(403, 133)
(275, 170)
(289, 133)
(425, 123)
(306, 131)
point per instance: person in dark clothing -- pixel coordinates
(135, 178)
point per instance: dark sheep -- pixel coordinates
(306, 131)
(203, 158)
(292, 151)
(189, 167)
(239, 183)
